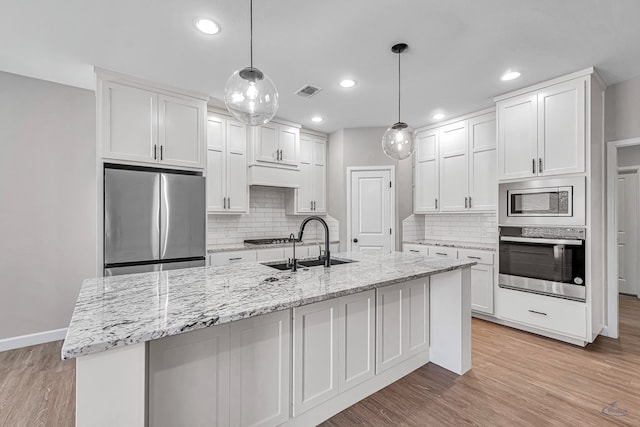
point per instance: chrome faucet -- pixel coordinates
(294, 262)
(327, 260)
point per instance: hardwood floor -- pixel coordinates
(518, 379)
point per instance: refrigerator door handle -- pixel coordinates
(163, 218)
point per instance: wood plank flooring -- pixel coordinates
(518, 379)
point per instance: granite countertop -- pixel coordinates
(116, 311)
(453, 244)
(230, 247)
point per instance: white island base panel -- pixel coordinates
(295, 367)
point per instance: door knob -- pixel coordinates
(355, 240)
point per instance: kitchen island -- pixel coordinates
(250, 345)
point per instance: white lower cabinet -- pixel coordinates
(259, 370)
(482, 279)
(315, 354)
(415, 249)
(184, 368)
(357, 339)
(225, 258)
(402, 322)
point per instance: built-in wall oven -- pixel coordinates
(543, 260)
(558, 201)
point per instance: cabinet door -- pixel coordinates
(561, 128)
(415, 302)
(389, 331)
(315, 354)
(517, 137)
(129, 123)
(216, 173)
(259, 362)
(266, 143)
(483, 163)
(426, 178)
(305, 191)
(288, 138)
(189, 378)
(181, 131)
(226, 258)
(236, 166)
(454, 167)
(319, 173)
(482, 288)
(357, 338)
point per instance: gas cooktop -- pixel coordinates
(269, 241)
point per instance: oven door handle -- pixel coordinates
(541, 240)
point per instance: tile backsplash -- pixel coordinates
(266, 218)
(479, 227)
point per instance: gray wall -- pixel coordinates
(362, 147)
(622, 110)
(47, 202)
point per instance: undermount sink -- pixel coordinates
(314, 262)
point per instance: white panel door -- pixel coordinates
(319, 175)
(236, 165)
(416, 316)
(517, 137)
(129, 123)
(181, 131)
(627, 211)
(561, 128)
(426, 181)
(260, 363)
(483, 163)
(305, 192)
(288, 138)
(315, 354)
(189, 378)
(482, 288)
(390, 348)
(357, 339)
(266, 144)
(454, 167)
(216, 174)
(371, 211)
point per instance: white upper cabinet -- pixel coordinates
(275, 145)
(311, 196)
(426, 187)
(455, 166)
(227, 190)
(137, 124)
(542, 133)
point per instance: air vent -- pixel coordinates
(307, 91)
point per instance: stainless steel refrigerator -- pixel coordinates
(153, 220)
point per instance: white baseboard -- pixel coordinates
(32, 339)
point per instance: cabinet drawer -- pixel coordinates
(226, 258)
(415, 249)
(439, 251)
(481, 257)
(553, 314)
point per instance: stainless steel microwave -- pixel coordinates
(558, 201)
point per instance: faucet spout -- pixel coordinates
(327, 260)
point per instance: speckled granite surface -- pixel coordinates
(453, 244)
(230, 247)
(121, 310)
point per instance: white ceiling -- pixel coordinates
(457, 48)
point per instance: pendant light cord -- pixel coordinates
(399, 77)
(251, 29)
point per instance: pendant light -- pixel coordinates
(398, 141)
(250, 95)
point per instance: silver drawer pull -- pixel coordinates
(440, 253)
(473, 257)
(235, 259)
(537, 312)
(413, 250)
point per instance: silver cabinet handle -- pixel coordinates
(314, 205)
(224, 202)
(466, 202)
(280, 155)
(413, 250)
(440, 253)
(537, 312)
(161, 151)
(469, 202)
(155, 150)
(473, 257)
(311, 205)
(229, 202)
(533, 166)
(436, 203)
(540, 165)
(235, 259)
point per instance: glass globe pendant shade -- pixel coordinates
(251, 96)
(398, 141)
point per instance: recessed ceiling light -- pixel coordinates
(438, 116)
(347, 83)
(510, 75)
(207, 26)
(316, 119)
